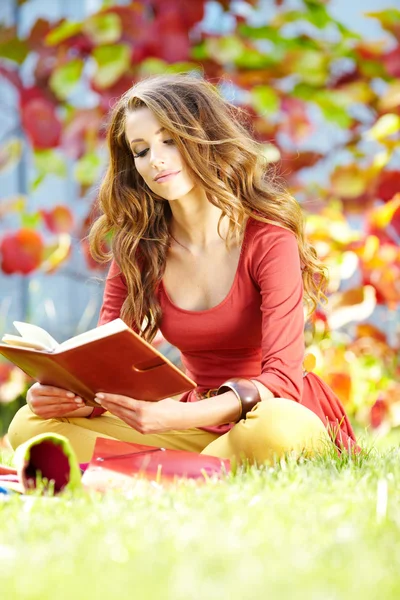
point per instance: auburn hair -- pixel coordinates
(218, 148)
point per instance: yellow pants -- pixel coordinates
(273, 428)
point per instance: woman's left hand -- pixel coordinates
(144, 416)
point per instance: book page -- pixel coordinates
(35, 335)
(17, 340)
(93, 334)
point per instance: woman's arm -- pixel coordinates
(209, 412)
(277, 272)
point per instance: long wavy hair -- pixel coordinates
(216, 145)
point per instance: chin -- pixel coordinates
(174, 194)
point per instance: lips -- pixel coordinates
(164, 175)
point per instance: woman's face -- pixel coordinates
(157, 159)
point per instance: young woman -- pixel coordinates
(208, 249)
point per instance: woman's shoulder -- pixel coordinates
(270, 232)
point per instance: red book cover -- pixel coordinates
(111, 358)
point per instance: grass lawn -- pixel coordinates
(327, 529)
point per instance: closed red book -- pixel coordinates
(114, 464)
(111, 358)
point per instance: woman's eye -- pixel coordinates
(140, 154)
(169, 142)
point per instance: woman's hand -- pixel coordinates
(50, 402)
(145, 417)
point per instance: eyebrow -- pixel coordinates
(142, 140)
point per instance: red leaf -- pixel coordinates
(37, 34)
(85, 123)
(21, 252)
(388, 184)
(378, 413)
(391, 60)
(12, 76)
(110, 95)
(344, 78)
(294, 161)
(133, 19)
(91, 263)
(40, 122)
(190, 13)
(59, 219)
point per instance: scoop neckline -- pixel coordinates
(229, 294)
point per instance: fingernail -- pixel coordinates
(78, 400)
(101, 396)
(70, 394)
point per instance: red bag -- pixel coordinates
(114, 464)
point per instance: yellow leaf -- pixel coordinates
(385, 126)
(58, 255)
(10, 153)
(348, 181)
(380, 161)
(382, 216)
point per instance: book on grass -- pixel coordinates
(110, 358)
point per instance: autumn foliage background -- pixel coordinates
(324, 102)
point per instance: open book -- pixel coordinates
(110, 358)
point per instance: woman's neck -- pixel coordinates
(194, 224)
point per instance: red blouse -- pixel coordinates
(256, 332)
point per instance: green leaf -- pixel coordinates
(156, 66)
(87, 168)
(333, 106)
(15, 50)
(64, 31)
(318, 15)
(37, 181)
(265, 99)
(200, 52)
(252, 58)
(103, 28)
(265, 32)
(112, 62)
(388, 17)
(64, 79)
(31, 220)
(47, 162)
(303, 91)
(224, 49)
(312, 66)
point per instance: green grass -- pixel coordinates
(324, 529)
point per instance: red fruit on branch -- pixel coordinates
(21, 252)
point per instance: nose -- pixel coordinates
(156, 157)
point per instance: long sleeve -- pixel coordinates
(277, 273)
(115, 292)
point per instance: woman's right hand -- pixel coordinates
(49, 402)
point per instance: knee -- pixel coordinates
(278, 426)
(25, 425)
